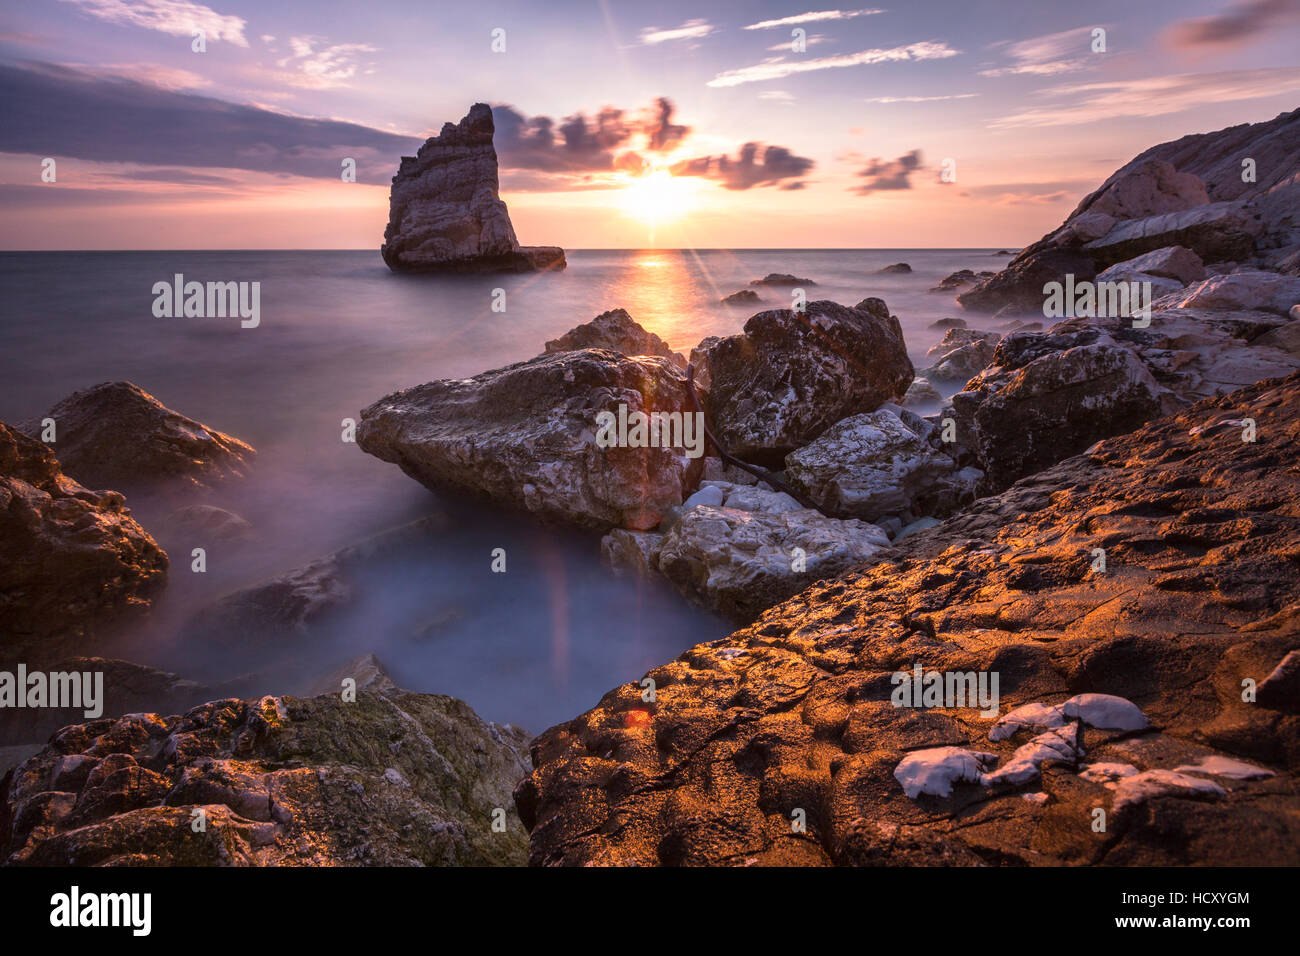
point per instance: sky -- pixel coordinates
(770, 124)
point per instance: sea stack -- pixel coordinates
(445, 213)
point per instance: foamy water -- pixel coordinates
(534, 646)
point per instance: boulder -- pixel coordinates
(781, 278)
(873, 466)
(445, 213)
(743, 297)
(117, 435)
(898, 268)
(72, 561)
(1170, 262)
(391, 779)
(524, 436)
(959, 280)
(920, 393)
(1265, 291)
(794, 713)
(1019, 286)
(791, 376)
(614, 330)
(961, 354)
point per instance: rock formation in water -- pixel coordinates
(1231, 196)
(390, 779)
(445, 213)
(72, 560)
(118, 435)
(791, 720)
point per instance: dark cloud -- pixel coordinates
(746, 170)
(662, 134)
(577, 144)
(894, 174)
(1235, 26)
(57, 111)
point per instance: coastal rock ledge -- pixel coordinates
(781, 745)
(445, 213)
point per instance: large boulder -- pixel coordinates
(1170, 262)
(617, 331)
(445, 213)
(1019, 287)
(525, 436)
(961, 354)
(390, 779)
(874, 466)
(789, 376)
(71, 560)
(118, 435)
(1134, 672)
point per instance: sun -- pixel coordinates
(658, 197)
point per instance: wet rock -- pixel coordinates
(781, 278)
(117, 435)
(392, 779)
(617, 331)
(962, 354)
(794, 712)
(204, 523)
(948, 324)
(790, 376)
(921, 393)
(445, 213)
(897, 268)
(743, 297)
(524, 436)
(630, 552)
(72, 561)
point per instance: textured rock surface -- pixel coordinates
(789, 377)
(1171, 262)
(617, 331)
(71, 560)
(445, 213)
(793, 713)
(1019, 287)
(525, 436)
(118, 435)
(1265, 291)
(961, 354)
(393, 779)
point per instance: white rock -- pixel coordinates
(709, 494)
(1026, 763)
(1103, 711)
(934, 771)
(1217, 766)
(1108, 774)
(1139, 788)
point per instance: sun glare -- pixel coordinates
(658, 197)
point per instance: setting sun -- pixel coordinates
(658, 197)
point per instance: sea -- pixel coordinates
(337, 330)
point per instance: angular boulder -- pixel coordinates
(1019, 287)
(445, 212)
(790, 376)
(617, 331)
(524, 436)
(71, 560)
(118, 435)
(1169, 262)
(1264, 291)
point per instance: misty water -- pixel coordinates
(534, 646)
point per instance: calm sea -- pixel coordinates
(534, 646)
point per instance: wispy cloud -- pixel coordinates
(884, 176)
(1046, 55)
(780, 96)
(774, 166)
(776, 69)
(322, 65)
(173, 17)
(1153, 96)
(1234, 27)
(918, 99)
(785, 45)
(811, 18)
(690, 30)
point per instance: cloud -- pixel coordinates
(321, 65)
(810, 18)
(918, 99)
(578, 143)
(1047, 55)
(785, 45)
(1237, 26)
(1153, 96)
(781, 96)
(747, 170)
(57, 111)
(690, 30)
(884, 176)
(173, 17)
(663, 135)
(776, 69)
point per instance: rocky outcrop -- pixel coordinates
(445, 213)
(898, 268)
(390, 779)
(743, 297)
(781, 278)
(1227, 196)
(790, 376)
(1264, 291)
(961, 354)
(525, 436)
(780, 744)
(118, 435)
(959, 280)
(71, 560)
(617, 331)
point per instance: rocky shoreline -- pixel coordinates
(1103, 515)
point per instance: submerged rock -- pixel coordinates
(743, 297)
(525, 436)
(794, 713)
(445, 213)
(71, 560)
(118, 435)
(391, 779)
(781, 278)
(617, 331)
(896, 269)
(790, 376)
